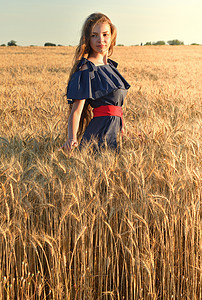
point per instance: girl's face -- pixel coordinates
(100, 39)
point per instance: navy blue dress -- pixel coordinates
(99, 85)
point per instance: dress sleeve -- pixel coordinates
(79, 86)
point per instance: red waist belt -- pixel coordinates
(108, 110)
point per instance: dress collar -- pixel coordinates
(84, 60)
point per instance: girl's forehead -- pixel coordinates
(104, 26)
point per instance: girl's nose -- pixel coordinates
(100, 38)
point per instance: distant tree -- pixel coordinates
(121, 45)
(159, 43)
(49, 44)
(175, 42)
(194, 44)
(12, 43)
(3, 45)
(148, 44)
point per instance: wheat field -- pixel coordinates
(107, 225)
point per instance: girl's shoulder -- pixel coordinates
(112, 62)
(82, 64)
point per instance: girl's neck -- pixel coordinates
(98, 58)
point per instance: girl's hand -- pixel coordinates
(69, 145)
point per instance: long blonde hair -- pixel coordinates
(83, 50)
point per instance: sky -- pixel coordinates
(34, 22)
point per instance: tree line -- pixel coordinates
(171, 42)
(14, 43)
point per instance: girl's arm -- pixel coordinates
(73, 124)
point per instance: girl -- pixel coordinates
(95, 82)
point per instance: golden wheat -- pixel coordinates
(110, 225)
